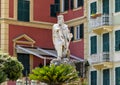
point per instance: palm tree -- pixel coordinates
(55, 75)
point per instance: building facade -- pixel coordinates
(103, 42)
(26, 29)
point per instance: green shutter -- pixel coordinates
(93, 44)
(117, 5)
(106, 77)
(71, 4)
(117, 40)
(80, 3)
(72, 31)
(93, 77)
(106, 42)
(26, 10)
(105, 6)
(23, 10)
(52, 10)
(81, 30)
(93, 8)
(66, 5)
(20, 8)
(117, 76)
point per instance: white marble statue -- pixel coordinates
(61, 37)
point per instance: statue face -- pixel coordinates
(60, 19)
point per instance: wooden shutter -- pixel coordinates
(117, 76)
(20, 10)
(52, 10)
(80, 3)
(71, 4)
(106, 77)
(66, 5)
(81, 30)
(23, 10)
(93, 44)
(105, 6)
(93, 77)
(26, 11)
(117, 40)
(117, 5)
(106, 42)
(72, 31)
(93, 8)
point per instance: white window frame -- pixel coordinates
(77, 32)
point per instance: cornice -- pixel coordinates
(44, 25)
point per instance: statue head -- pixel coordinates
(60, 19)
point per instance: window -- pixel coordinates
(117, 40)
(77, 32)
(79, 3)
(72, 31)
(106, 42)
(65, 5)
(117, 5)
(93, 77)
(105, 6)
(117, 76)
(55, 8)
(23, 10)
(106, 77)
(93, 8)
(93, 47)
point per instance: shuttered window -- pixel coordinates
(105, 6)
(93, 77)
(66, 5)
(93, 8)
(80, 3)
(71, 4)
(93, 47)
(117, 5)
(55, 8)
(106, 77)
(79, 31)
(117, 76)
(117, 40)
(23, 10)
(106, 42)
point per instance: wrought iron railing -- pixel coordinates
(98, 58)
(103, 20)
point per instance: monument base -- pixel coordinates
(62, 61)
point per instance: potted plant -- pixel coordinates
(55, 75)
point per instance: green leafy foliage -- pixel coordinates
(10, 68)
(53, 75)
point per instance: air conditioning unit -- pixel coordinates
(106, 57)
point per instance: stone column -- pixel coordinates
(4, 27)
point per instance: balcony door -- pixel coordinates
(105, 6)
(25, 60)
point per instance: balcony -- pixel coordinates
(102, 60)
(100, 24)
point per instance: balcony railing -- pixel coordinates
(103, 20)
(98, 58)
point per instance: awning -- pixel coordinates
(42, 52)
